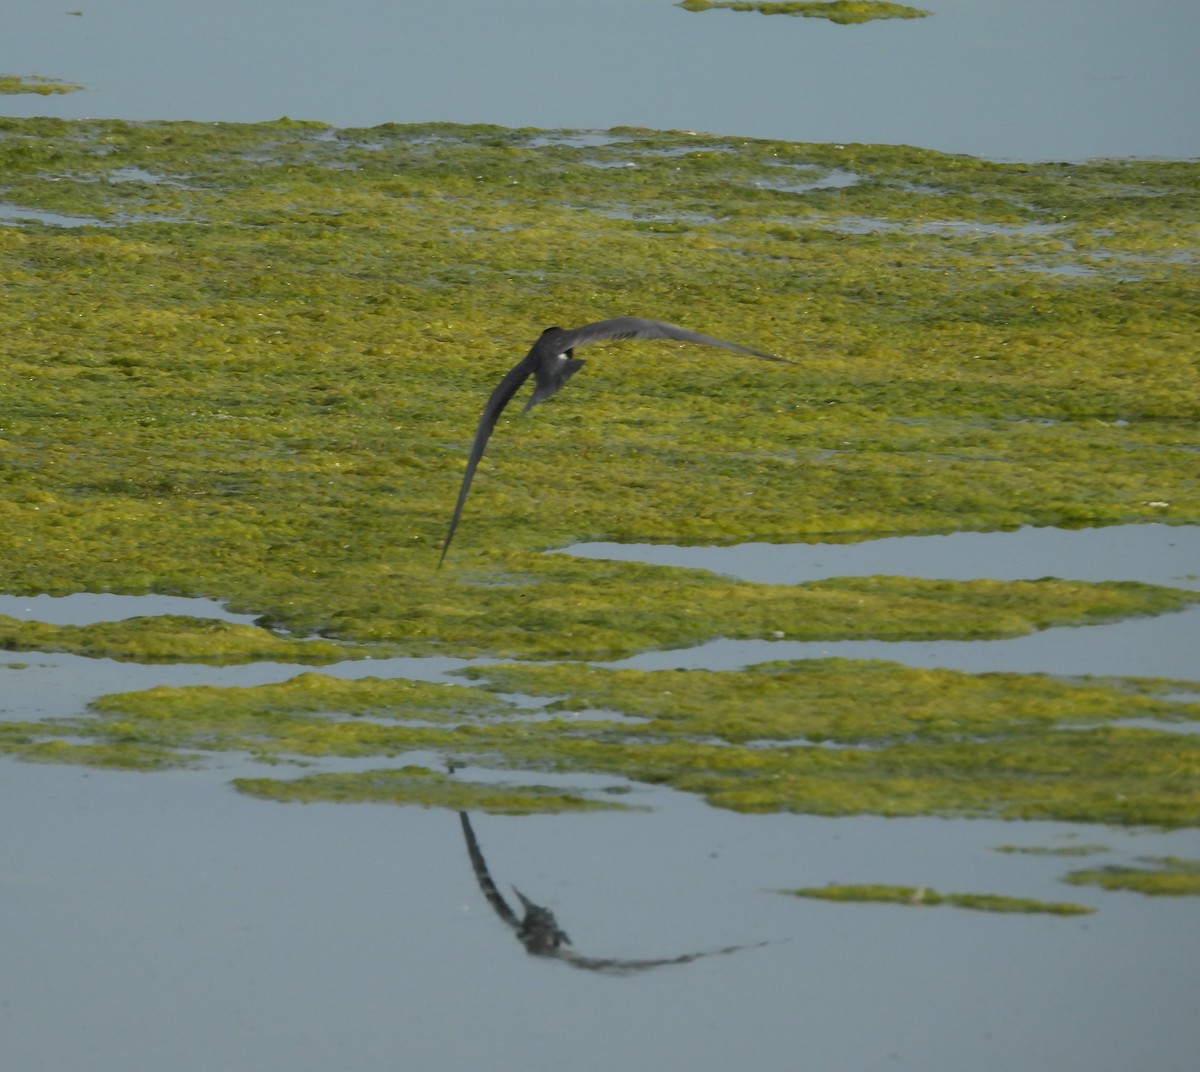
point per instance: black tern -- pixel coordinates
(551, 363)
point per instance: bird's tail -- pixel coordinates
(550, 380)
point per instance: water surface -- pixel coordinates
(1022, 79)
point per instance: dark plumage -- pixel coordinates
(551, 363)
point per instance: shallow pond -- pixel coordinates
(163, 920)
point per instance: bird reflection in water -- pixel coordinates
(538, 931)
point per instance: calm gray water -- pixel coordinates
(1013, 79)
(164, 922)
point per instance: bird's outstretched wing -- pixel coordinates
(499, 398)
(636, 327)
(560, 342)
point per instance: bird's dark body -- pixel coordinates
(551, 363)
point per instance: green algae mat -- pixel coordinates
(246, 362)
(916, 895)
(45, 87)
(843, 12)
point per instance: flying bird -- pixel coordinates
(551, 362)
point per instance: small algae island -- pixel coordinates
(245, 362)
(11, 83)
(916, 895)
(843, 12)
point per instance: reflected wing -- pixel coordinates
(636, 327)
(500, 397)
(484, 877)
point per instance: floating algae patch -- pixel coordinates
(558, 607)
(307, 716)
(419, 786)
(1053, 850)
(258, 382)
(35, 743)
(920, 895)
(1164, 876)
(828, 737)
(12, 83)
(844, 12)
(894, 740)
(174, 638)
(848, 701)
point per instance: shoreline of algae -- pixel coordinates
(253, 372)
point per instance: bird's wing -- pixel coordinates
(484, 877)
(500, 397)
(636, 327)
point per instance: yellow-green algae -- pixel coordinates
(306, 716)
(1166, 876)
(175, 638)
(831, 737)
(844, 12)
(15, 83)
(258, 382)
(564, 607)
(420, 786)
(1053, 850)
(898, 740)
(849, 701)
(254, 376)
(920, 895)
(33, 742)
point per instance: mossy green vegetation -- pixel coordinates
(919, 895)
(13, 83)
(1053, 850)
(843, 12)
(843, 737)
(175, 638)
(562, 607)
(419, 786)
(829, 737)
(39, 742)
(253, 369)
(259, 383)
(307, 716)
(847, 701)
(1163, 876)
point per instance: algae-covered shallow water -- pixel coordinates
(241, 366)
